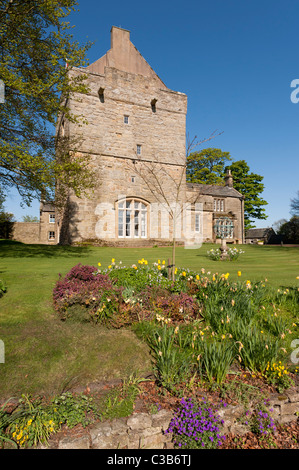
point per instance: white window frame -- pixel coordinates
(51, 217)
(49, 235)
(138, 149)
(132, 215)
(218, 205)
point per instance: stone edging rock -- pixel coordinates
(146, 431)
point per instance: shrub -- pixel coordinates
(2, 288)
(86, 295)
(156, 299)
(214, 254)
(195, 426)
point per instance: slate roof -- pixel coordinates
(47, 207)
(258, 232)
(213, 190)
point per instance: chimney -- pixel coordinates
(229, 179)
(120, 39)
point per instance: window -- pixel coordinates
(132, 179)
(153, 105)
(51, 235)
(197, 222)
(101, 94)
(224, 227)
(218, 205)
(126, 119)
(52, 218)
(132, 219)
(138, 149)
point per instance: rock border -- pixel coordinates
(146, 431)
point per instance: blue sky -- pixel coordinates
(234, 59)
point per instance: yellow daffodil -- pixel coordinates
(113, 260)
(159, 267)
(99, 264)
(197, 277)
(239, 273)
(183, 273)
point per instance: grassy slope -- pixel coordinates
(44, 355)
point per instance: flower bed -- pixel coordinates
(201, 329)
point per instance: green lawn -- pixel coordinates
(45, 355)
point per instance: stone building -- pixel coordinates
(136, 137)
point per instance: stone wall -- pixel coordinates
(26, 232)
(146, 431)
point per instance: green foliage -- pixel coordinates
(31, 423)
(257, 349)
(30, 218)
(3, 288)
(250, 186)
(295, 205)
(6, 224)
(278, 375)
(216, 359)
(120, 401)
(207, 166)
(36, 43)
(170, 361)
(289, 231)
(74, 409)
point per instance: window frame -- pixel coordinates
(49, 235)
(132, 214)
(51, 221)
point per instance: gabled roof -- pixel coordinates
(213, 190)
(124, 56)
(258, 232)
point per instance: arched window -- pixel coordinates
(132, 219)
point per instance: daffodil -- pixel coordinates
(239, 273)
(99, 264)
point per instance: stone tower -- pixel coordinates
(136, 131)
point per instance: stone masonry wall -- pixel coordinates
(146, 431)
(26, 232)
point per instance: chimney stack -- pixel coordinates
(229, 179)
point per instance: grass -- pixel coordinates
(45, 355)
